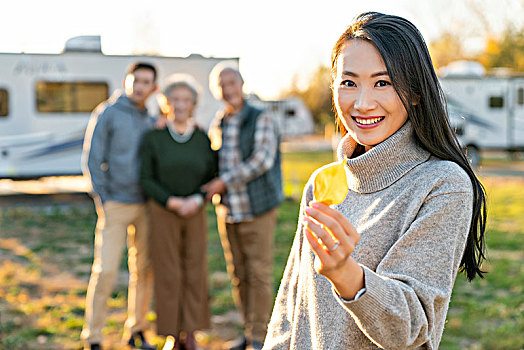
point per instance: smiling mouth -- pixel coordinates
(368, 121)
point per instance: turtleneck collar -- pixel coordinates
(385, 163)
(181, 137)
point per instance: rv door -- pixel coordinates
(517, 137)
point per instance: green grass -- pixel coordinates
(297, 167)
(45, 256)
(488, 313)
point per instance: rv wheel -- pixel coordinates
(473, 155)
(516, 156)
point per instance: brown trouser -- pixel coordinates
(248, 252)
(113, 226)
(178, 252)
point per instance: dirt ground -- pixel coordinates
(50, 287)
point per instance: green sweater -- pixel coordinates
(170, 168)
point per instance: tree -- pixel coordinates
(446, 49)
(507, 50)
(503, 50)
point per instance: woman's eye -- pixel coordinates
(382, 83)
(347, 83)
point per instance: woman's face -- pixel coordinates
(181, 103)
(366, 102)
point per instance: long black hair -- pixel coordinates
(409, 66)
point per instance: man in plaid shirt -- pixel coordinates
(249, 183)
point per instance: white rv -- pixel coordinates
(291, 114)
(46, 101)
(487, 110)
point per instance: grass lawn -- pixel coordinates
(46, 254)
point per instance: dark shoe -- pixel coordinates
(189, 342)
(138, 341)
(95, 346)
(237, 344)
(255, 345)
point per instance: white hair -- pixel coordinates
(184, 80)
(214, 76)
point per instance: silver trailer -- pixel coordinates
(46, 101)
(487, 111)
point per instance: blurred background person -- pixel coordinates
(250, 186)
(111, 160)
(176, 162)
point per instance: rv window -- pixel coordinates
(69, 97)
(520, 96)
(496, 102)
(4, 103)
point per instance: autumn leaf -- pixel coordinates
(330, 186)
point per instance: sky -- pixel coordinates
(276, 40)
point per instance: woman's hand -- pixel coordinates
(333, 238)
(189, 207)
(174, 203)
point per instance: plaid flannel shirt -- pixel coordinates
(235, 172)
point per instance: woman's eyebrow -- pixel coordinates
(351, 74)
(377, 74)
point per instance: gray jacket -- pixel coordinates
(111, 149)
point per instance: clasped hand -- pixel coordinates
(182, 206)
(333, 238)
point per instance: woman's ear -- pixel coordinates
(416, 100)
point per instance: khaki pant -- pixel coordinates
(112, 229)
(178, 252)
(248, 252)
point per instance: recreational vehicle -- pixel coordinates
(487, 111)
(46, 101)
(291, 114)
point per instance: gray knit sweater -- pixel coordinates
(413, 213)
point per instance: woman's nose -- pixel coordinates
(365, 101)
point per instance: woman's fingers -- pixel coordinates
(331, 253)
(325, 238)
(328, 262)
(317, 247)
(336, 215)
(337, 225)
(331, 237)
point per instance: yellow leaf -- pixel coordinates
(330, 184)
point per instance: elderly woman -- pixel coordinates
(176, 161)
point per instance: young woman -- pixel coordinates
(176, 161)
(377, 270)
